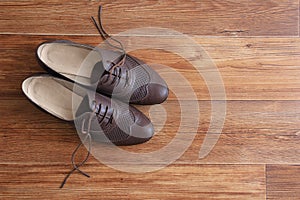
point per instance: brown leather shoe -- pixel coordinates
(111, 120)
(97, 117)
(109, 72)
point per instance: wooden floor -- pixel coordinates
(256, 46)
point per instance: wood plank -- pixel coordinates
(218, 18)
(250, 67)
(41, 181)
(260, 74)
(254, 132)
(283, 181)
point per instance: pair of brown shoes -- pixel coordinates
(94, 87)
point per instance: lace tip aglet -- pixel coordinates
(62, 185)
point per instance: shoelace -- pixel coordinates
(76, 167)
(114, 70)
(117, 76)
(87, 136)
(97, 109)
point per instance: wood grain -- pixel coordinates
(251, 68)
(218, 18)
(283, 181)
(254, 132)
(41, 181)
(254, 44)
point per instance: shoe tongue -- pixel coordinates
(99, 69)
(87, 105)
(108, 56)
(97, 72)
(83, 114)
(84, 107)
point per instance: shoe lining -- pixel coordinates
(73, 62)
(52, 94)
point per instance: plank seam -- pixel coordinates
(193, 36)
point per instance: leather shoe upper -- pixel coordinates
(132, 81)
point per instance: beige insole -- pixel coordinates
(76, 63)
(52, 94)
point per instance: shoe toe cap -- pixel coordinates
(157, 93)
(142, 133)
(138, 134)
(141, 130)
(157, 89)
